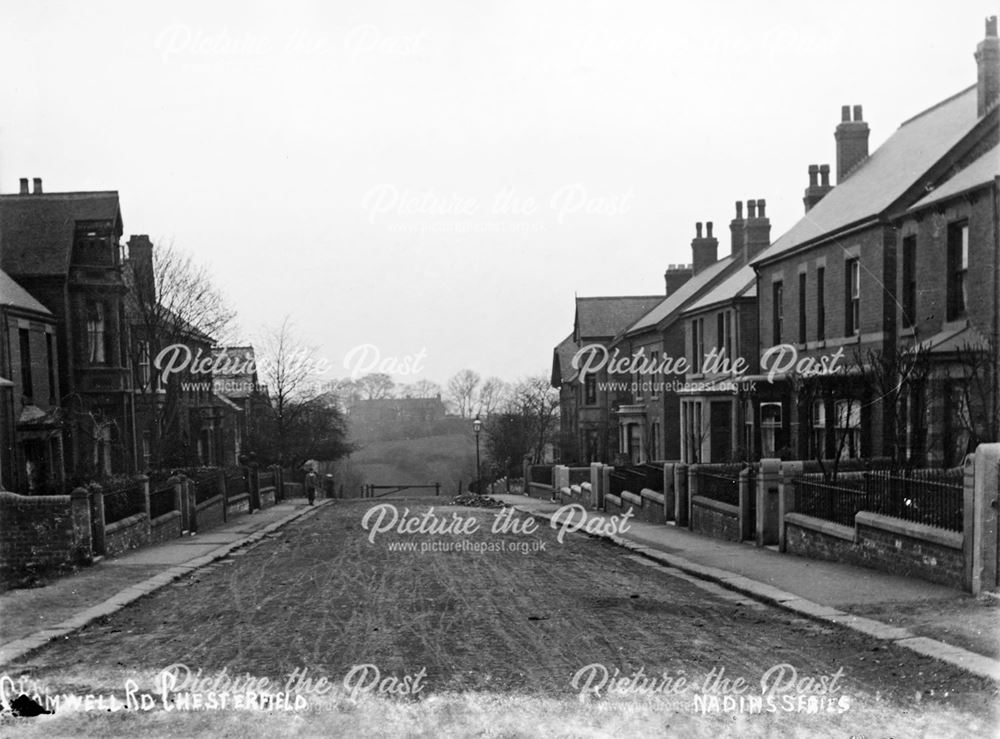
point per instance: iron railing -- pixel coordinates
(161, 501)
(123, 501)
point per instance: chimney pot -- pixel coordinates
(697, 230)
(708, 228)
(24, 186)
(845, 113)
(857, 113)
(813, 175)
(38, 186)
(761, 204)
(991, 26)
(824, 174)
(739, 210)
(751, 208)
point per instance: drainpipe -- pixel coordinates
(996, 291)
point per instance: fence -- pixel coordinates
(236, 482)
(720, 482)
(206, 486)
(124, 500)
(931, 497)
(161, 500)
(540, 474)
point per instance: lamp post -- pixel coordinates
(477, 426)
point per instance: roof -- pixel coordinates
(37, 231)
(982, 171)
(16, 296)
(676, 300)
(562, 361)
(607, 316)
(741, 284)
(886, 174)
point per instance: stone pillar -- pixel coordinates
(221, 477)
(83, 545)
(144, 484)
(177, 484)
(192, 505)
(253, 487)
(982, 569)
(693, 489)
(746, 490)
(606, 471)
(681, 494)
(669, 496)
(596, 478)
(767, 523)
(96, 493)
(786, 496)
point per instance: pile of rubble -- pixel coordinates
(471, 500)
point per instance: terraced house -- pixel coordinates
(895, 268)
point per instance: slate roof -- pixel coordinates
(676, 300)
(981, 172)
(886, 174)
(37, 231)
(562, 358)
(16, 296)
(608, 316)
(741, 284)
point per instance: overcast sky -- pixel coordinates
(443, 177)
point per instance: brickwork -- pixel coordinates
(165, 528)
(881, 550)
(129, 533)
(37, 533)
(715, 520)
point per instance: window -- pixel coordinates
(653, 376)
(50, 362)
(909, 280)
(728, 344)
(749, 443)
(820, 303)
(852, 297)
(654, 441)
(958, 268)
(777, 312)
(720, 332)
(697, 344)
(95, 333)
(147, 452)
(848, 420)
(802, 308)
(590, 390)
(24, 341)
(817, 441)
(770, 425)
(144, 373)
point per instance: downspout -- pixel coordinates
(996, 296)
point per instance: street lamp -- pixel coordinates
(477, 426)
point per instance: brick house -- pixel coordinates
(63, 248)
(31, 447)
(597, 321)
(832, 283)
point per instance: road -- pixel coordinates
(454, 628)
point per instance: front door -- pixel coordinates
(720, 431)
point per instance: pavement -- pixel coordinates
(31, 617)
(933, 620)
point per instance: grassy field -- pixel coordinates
(479, 634)
(448, 459)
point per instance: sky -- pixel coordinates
(429, 185)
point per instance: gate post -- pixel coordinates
(97, 518)
(786, 497)
(681, 494)
(746, 489)
(980, 534)
(83, 534)
(767, 523)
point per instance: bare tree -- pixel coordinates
(462, 391)
(376, 386)
(420, 389)
(491, 396)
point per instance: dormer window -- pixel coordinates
(92, 247)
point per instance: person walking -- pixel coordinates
(311, 483)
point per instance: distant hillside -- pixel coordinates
(448, 458)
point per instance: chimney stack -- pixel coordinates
(736, 231)
(819, 185)
(756, 230)
(852, 141)
(704, 249)
(988, 62)
(38, 186)
(140, 257)
(24, 186)
(675, 276)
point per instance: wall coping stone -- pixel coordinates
(943, 537)
(631, 498)
(830, 528)
(165, 518)
(716, 505)
(653, 496)
(125, 523)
